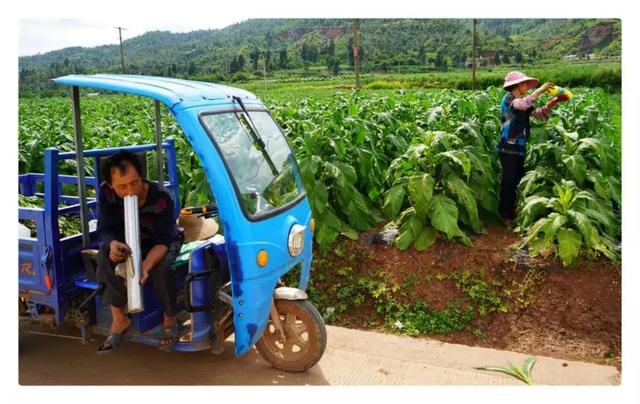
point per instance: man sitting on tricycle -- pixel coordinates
(158, 241)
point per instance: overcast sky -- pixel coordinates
(39, 35)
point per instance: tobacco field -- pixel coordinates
(418, 165)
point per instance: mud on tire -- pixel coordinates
(306, 337)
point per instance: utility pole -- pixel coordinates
(356, 53)
(475, 43)
(121, 51)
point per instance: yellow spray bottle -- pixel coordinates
(556, 91)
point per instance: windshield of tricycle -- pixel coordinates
(257, 157)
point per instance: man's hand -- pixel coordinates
(153, 258)
(118, 251)
(146, 268)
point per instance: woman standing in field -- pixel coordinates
(516, 109)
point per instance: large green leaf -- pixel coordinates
(444, 217)
(393, 199)
(538, 244)
(532, 208)
(349, 173)
(593, 145)
(434, 113)
(600, 185)
(328, 228)
(535, 229)
(359, 213)
(583, 223)
(569, 243)
(319, 196)
(349, 231)
(592, 238)
(409, 231)
(555, 222)
(577, 167)
(420, 192)
(458, 157)
(426, 238)
(459, 190)
(614, 190)
(308, 168)
(602, 218)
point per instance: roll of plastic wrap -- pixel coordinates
(135, 303)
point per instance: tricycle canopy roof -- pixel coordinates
(166, 90)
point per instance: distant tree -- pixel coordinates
(267, 59)
(237, 64)
(505, 58)
(233, 66)
(312, 53)
(350, 52)
(422, 55)
(304, 52)
(268, 38)
(331, 48)
(518, 57)
(254, 56)
(333, 64)
(458, 60)
(496, 59)
(240, 62)
(284, 59)
(440, 63)
(191, 70)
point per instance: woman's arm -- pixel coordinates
(525, 103)
(542, 114)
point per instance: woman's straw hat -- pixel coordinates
(515, 77)
(197, 227)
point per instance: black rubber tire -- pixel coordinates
(304, 315)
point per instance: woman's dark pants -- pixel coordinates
(512, 173)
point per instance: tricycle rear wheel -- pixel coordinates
(305, 337)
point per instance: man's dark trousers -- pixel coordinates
(161, 276)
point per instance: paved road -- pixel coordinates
(352, 357)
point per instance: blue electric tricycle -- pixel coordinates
(230, 283)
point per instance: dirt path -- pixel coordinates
(352, 357)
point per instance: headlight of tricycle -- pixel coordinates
(296, 239)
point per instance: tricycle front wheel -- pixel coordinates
(305, 337)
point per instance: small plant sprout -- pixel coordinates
(523, 374)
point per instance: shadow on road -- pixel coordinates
(47, 360)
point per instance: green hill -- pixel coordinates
(323, 46)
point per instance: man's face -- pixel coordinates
(127, 183)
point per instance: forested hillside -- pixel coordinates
(263, 47)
